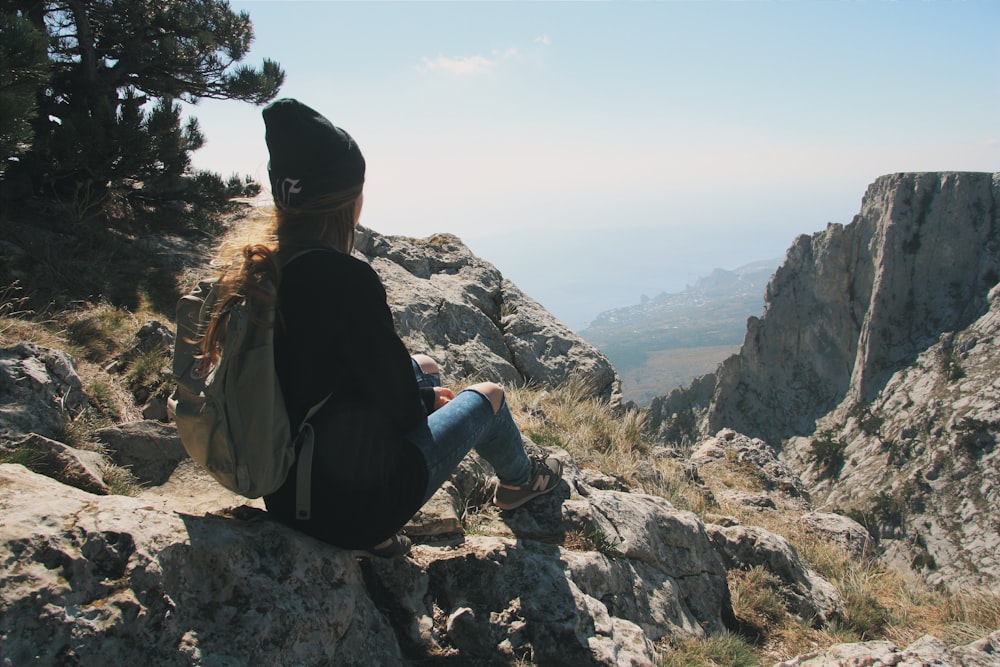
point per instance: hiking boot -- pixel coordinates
(546, 473)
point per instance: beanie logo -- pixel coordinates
(289, 187)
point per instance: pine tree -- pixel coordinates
(109, 120)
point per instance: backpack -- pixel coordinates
(231, 416)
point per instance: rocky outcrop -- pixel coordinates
(459, 309)
(807, 594)
(919, 464)
(853, 304)
(873, 372)
(925, 651)
(97, 580)
(115, 580)
(39, 391)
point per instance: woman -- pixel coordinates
(389, 435)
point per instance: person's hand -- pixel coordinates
(442, 396)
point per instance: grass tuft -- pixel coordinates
(725, 650)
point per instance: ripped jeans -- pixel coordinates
(467, 422)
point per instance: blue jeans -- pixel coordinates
(465, 423)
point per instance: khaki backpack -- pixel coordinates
(231, 416)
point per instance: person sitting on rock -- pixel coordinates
(389, 435)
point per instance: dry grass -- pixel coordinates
(726, 650)
(92, 334)
(585, 427)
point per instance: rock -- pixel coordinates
(459, 309)
(547, 353)
(507, 599)
(921, 466)
(156, 410)
(927, 650)
(758, 501)
(151, 450)
(847, 533)
(643, 538)
(809, 596)
(732, 454)
(78, 468)
(439, 516)
(191, 490)
(98, 580)
(153, 335)
(39, 391)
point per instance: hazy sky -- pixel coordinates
(598, 151)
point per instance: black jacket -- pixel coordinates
(335, 336)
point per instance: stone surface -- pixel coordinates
(592, 574)
(924, 652)
(99, 580)
(78, 468)
(150, 449)
(39, 391)
(850, 535)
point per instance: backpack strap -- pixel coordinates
(305, 445)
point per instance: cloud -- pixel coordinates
(543, 40)
(466, 65)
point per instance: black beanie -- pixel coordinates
(310, 157)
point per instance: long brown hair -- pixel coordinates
(255, 271)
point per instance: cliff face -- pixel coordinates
(919, 464)
(872, 361)
(853, 304)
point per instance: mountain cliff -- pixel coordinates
(871, 370)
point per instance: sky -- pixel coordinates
(596, 152)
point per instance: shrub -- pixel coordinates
(973, 436)
(757, 600)
(888, 508)
(827, 452)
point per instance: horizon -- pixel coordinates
(599, 152)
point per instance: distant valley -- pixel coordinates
(668, 340)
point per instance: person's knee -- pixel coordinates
(427, 364)
(492, 391)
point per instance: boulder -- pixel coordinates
(39, 391)
(150, 449)
(459, 309)
(808, 595)
(847, 533)
(98, 580)
(76, 467)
